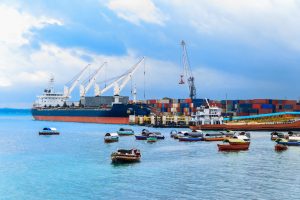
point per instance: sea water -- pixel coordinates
(76, 165)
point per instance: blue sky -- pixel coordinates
(245, 49)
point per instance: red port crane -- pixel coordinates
(187, 72)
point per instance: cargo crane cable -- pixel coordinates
(74, 81)
(90, 81)
(187, 72)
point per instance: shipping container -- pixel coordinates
(288, 107)
(267, 106)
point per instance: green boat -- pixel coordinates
(151, 138)
(125, 132)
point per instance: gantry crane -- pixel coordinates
(187, 72)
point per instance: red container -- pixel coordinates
(260, 101)
(188, 100)
(256, 106)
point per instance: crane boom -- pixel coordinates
(74, 81)
(92, 80)
(128, 76)
(124, 78)
(188, 72)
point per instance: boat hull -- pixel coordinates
(186, 139)
(233, 147)
(117, 114)
(280, 147)
(140, 137)
(124, 159)
(214, 139)
(84, 119)
(295, 126)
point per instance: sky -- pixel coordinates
(239, 49)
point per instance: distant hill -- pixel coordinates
(14, 111)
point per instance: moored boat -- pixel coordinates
(288, 142)
(195, 133)
(151, 138)
(173, 133)
(140, 137)
(49, 131)
(181, 134)
(111, 137)
(214, 137)
(234, 145)
(275, 135)
(126, 156)
(190, 139)
(125, 132)
(280, 147)
(158, 135)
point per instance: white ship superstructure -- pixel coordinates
(207, 115)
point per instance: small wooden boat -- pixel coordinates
(126, 156)
(49, 131)
(125, 132)
(141, 137)
(234, 147)
(151, 138)
(196, 133)
(288, 142)
(181, 134)
(111, 137)
(190, 139)
(234, 144)
(275, 135)
(158, 135)
(173, 133)
(214, 137)
(234, 141)
(242, 136)
(280, 147)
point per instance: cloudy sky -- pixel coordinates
(245, 49)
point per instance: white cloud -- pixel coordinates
(252, 21)
(16, 26)
(137, 11)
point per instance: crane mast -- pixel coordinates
(187, 72)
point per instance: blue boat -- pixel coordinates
(141, 137)
(190, 139)
(49, 131)
(288, 142)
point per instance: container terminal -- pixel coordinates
(190, 112)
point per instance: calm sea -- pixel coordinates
(76, 165)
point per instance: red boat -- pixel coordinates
(233, 147)
(280, 147)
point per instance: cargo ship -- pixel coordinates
(52, 106)
(210, 118)
(116, 109)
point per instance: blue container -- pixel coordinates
(287, 106)
(245, 105)
(267, 106)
